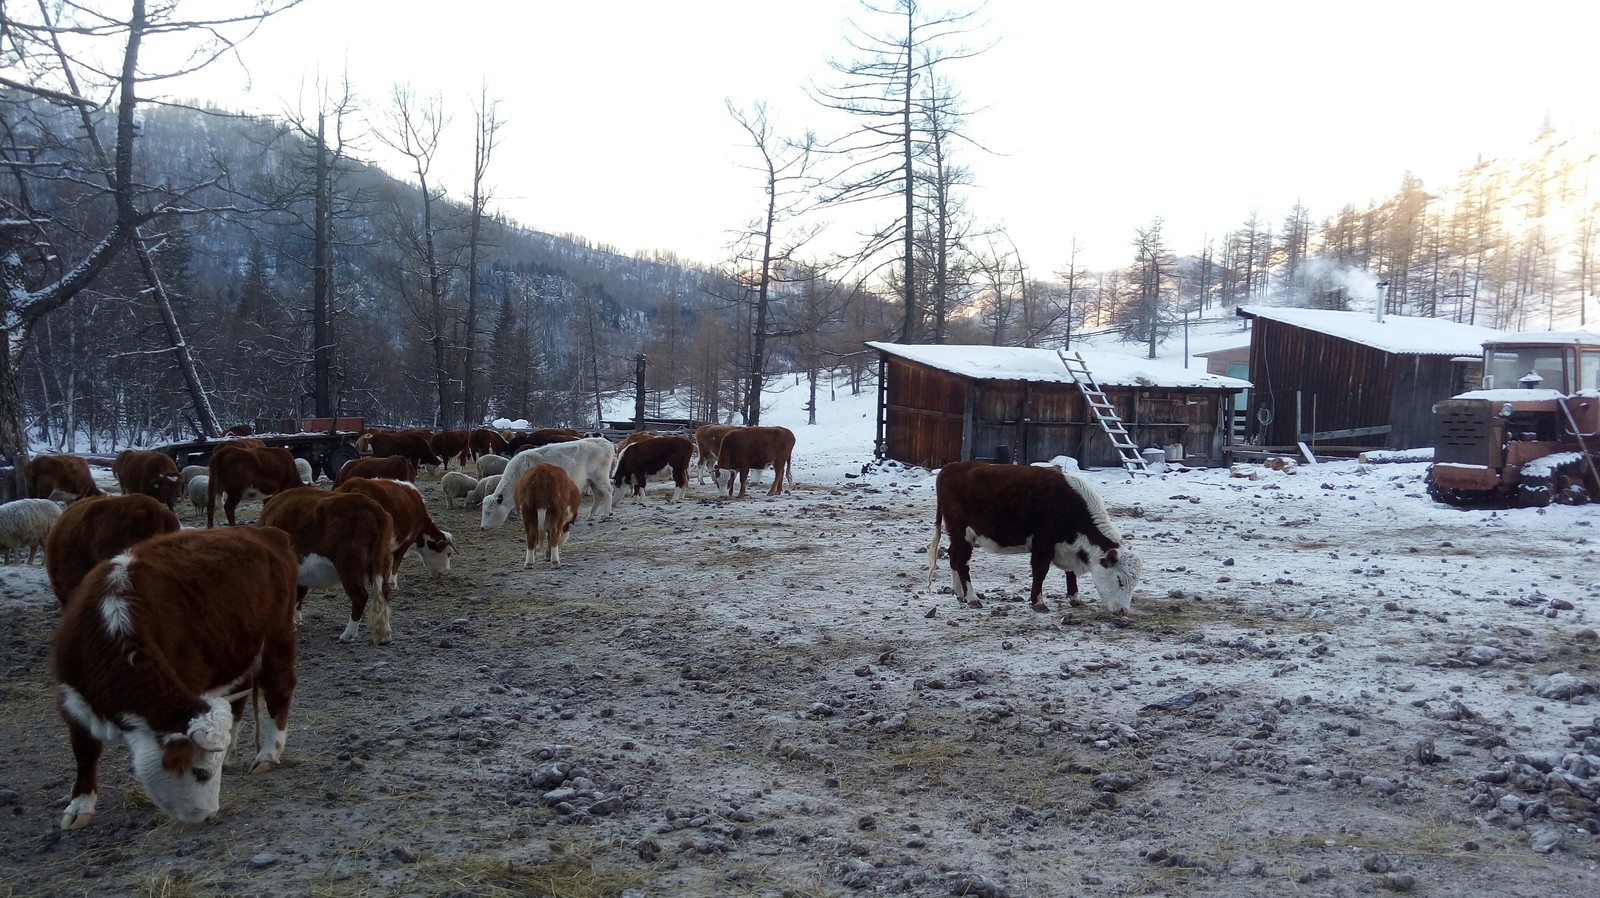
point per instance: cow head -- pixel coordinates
(182, 772)
(496, 507)
(1116, 572)
(436, 552)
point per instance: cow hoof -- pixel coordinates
(974, 602)
(264, 766)
(70, 820)
(1040, 607)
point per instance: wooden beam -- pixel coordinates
(1342, 434)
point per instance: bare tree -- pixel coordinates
(485, 137)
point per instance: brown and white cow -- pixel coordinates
(149, 644)
(240, 472)
(340, 538)
(415, 444)
(388, 467)
(745, 448)
(99, 528)
(148, 472)
(1055, 517)
(414, 528)
(646, 457)
(67, 475)
(452, 444)
(707, 440)
(549, 503)
(485, 441)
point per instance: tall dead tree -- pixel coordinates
(485, 137)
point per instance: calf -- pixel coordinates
(151, 640)
(68, 475)
(586, 461)
(744, 448)
(343, 538)
(414, 444)
(148, 472)
(92, 531)
(448, 444)
(549, 503)
(414, 528)
(389, 467)
(484, 441)
(638, 461)
(1056, 518)
(239, 472)
(707, 440)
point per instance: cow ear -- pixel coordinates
(1109, 559)
(177, 753)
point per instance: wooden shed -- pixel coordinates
(1347, 379)
(939, 404)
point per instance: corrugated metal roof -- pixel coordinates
(1110, 369)
(1398, 334)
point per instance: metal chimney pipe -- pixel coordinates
(1383, 289)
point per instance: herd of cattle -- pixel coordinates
(166, 631)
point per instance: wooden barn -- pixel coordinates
(939, 404)
(1345, 379)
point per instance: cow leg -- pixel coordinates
(1042, 555)
(300, 604)
(777, 478)
(352, 576)
(744, 480)
(680, 481)
(276, 681)
(530, 532)
(229, 505)
(1072, 585)
(960, 571)
(86, 751)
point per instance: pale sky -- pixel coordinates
(1101, 115)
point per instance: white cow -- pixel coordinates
(586, 461)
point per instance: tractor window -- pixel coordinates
(1510, 365)
(1589, 371)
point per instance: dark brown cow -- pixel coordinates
(448, 444)
(103, 527)
(151, 473)
(1056, 518)
(65, 474)
(744, 448)
(414, 444)
(391, 467)
(549, 502)
(413, 526)
(707, 440)
(343, 538)
(148, 642)
(485, 441)
(245, 472)
(544, 436)
(239, 430)
(645, 457)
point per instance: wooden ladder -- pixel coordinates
(1104, 413)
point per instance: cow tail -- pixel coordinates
(933, 546)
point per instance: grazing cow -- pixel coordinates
(485, 486)
(148, 472)
(1056, 518)
(26, 524)
(455, 486)
(757, 447)
(91, 532)
(413, 526)
(707, 440)
(491, 464)
(60, 476)
(343, 538)
(241, 472)
(149, 643)
(549, 503)
(448, 444)
(544, 436)
(646, 457)
(586, 461)
(391, 467)
(414, 444)
(484, 441)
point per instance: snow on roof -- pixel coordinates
(1395, 333)
(1110, 369)
(1581, 337)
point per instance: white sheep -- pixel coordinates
(26, 522)
(199, 492)
(306, 474)
(456, 485)
(489, 465)
(485, 486)
(190, 472)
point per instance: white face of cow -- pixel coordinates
(1115, 583)
(436, 555)
(182, 773)
(496, 508)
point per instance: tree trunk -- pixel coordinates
(322, 280)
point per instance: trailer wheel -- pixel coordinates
(336, 459)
